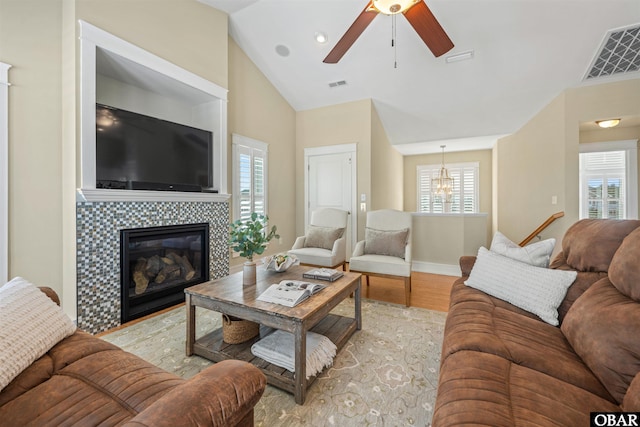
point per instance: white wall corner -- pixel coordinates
(4, 172)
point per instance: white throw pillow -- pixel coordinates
(537, 290)
(538, 254)
(30, 324)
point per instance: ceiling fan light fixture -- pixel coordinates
(608, 123)
(392, 7)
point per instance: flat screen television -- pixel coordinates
(138, 152)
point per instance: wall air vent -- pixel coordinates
(618, 54)
(338, 83)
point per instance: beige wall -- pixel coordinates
(187, 33)
(40, 39)
(386, 169)
(439, 241)
(541, 159)
(339, 124)
(531, 169)
(257, 110)
(612, 134)
(30, 40)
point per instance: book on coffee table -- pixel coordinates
(290, 292)
(328, 274)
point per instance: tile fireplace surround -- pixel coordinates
(98, 226)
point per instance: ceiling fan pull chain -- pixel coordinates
(393, 41)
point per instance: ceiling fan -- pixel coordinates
(417, 13)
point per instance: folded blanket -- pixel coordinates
(277, 348)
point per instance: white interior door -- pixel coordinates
(330, 183)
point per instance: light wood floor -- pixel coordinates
(427, 290)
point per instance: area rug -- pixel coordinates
(386, 375)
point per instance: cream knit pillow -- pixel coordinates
(538, 253)
(535, 289)
(30, 324)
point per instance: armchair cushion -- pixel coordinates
(31, 324)
(322, 237)
(534, 289)
(382, 242)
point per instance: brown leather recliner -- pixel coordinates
(503, 366)
(85, 381)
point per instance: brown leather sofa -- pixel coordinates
(85, 381)
(502, 366)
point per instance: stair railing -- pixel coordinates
(542, 227)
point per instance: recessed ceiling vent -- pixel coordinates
(620, 53)
(338, 83)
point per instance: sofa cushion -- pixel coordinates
(624, 271)
(583, 281)
(603, 327)
(484, 389)
(322, 237)
(30, 324)
(66, 352)
(538, 254)
(589, 244)
(631, 402)
(385, 242)
(535, 289)
(480, 323)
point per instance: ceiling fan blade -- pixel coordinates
(359, 25)
(429, 29)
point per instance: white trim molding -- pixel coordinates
(351, 148)
(630, 147)
(241, 144)
(4, 172)
(206, 101)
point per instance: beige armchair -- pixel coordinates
(325, 241)
(386, 250)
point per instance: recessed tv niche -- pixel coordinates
(138, 152)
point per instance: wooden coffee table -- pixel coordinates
(227, 295)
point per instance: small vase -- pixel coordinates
(249, 273)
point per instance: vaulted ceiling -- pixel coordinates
(524, 53)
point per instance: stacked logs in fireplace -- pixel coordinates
(159, 270)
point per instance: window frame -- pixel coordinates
(630, 147)
(256, 149)
(455, 170)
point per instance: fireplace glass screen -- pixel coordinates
(158, 263)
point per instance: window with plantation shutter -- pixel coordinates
(608, 180)
(465, 188)
(249, 177)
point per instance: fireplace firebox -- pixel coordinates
(158, 263)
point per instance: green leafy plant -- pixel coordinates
(250, 237)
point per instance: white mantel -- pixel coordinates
(102, 195)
